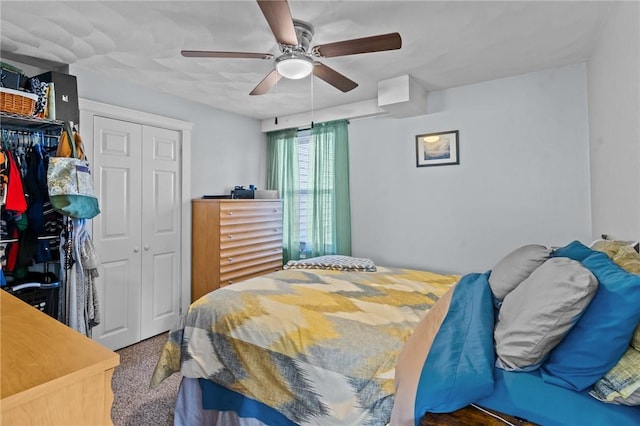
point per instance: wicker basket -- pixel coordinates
(17, 102)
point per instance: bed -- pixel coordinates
(298, 346)
(318, 346)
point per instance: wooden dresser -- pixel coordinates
(233, 240)
(51, 374)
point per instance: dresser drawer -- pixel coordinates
(242, 261)
(242, 242)
(270, 246)
(249, 229)
(251, 208)
(254, 270)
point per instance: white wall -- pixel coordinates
(226, 150)
(614, 119)
(523, 175)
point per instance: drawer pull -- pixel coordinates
(230, 213)
(275, 229)
(230, 236)
(231, 259)
(230, 282)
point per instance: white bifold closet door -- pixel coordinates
(136, 172)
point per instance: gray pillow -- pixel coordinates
(537, 314)
(515, 268)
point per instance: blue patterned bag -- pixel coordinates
(70, 184)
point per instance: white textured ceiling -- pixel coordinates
(445, 44)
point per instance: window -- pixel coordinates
(309, 168)
(308, 190)
(304, 140)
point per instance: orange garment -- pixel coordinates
(64, 147)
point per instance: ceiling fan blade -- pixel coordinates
(377, 43)
(213, 54)
(278, 16)
(333, 77)
(267, 83)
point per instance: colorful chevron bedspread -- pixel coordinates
(319, 346)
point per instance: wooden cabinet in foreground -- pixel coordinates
(51, 375)
(233, 240)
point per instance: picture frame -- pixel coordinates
(438, 149)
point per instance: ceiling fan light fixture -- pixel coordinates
(294, 66)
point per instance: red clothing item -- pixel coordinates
(15, 192)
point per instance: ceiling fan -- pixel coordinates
(297, 60)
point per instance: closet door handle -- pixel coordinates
(146, 247)
(136, 249)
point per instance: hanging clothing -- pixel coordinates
(27, 214)
(4, 235)
(35, 184)
(16, 202)
(34, 233)
(90, 262)
(78, 273)
(15, 227)
(4, 176)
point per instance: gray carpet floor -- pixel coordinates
(134, 403)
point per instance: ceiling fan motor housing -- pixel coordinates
(295, 62)
(304, 32)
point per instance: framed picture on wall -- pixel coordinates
(437, 149)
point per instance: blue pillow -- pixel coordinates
(602, 334)
(459, 367)
(574, 250)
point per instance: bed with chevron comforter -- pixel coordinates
(302, 347)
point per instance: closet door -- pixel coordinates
(160, 230)
(138, 234)
(116, 230)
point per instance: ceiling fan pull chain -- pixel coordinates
(311, 78)
(276, 120)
